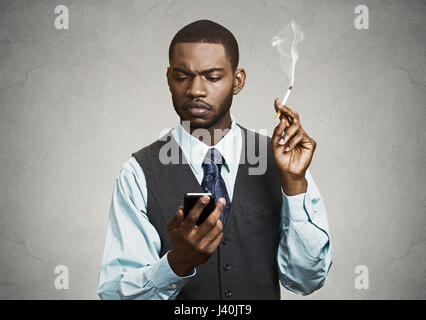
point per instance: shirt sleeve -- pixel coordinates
(304, 252)
(131, 266)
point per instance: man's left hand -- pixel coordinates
(293, 151)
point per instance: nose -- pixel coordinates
(196, 88)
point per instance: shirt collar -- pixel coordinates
(195, 150)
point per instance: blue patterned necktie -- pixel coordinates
(213, 181)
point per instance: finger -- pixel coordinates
(211, 221)
(212, 246)
(293, 115)
(278, 106)
(288, 119)
(295, 141)
(277, 112)
(177, 220)
(290, 133)
(193, 215)
(180, 215)
(301, 139)
(213, 233)
(278, 132)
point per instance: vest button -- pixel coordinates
(227, 267)
(225, 241)
(228, 293)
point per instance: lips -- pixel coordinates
(197, 108)
(198, 111)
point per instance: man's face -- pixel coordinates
(200, 78)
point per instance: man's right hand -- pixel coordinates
(193, 245)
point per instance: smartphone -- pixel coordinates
(189, 201)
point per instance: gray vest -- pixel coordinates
(244, 266)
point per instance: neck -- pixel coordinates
(216, 132)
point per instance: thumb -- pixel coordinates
(277, 134)
(180, 216)
(177, 220)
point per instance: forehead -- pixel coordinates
(200, 56)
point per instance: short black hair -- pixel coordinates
(207, 31)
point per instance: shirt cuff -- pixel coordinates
(164, 278)
(294, 206)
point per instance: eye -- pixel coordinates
(213, 79)
(181, 78)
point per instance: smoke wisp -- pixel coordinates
(286, 44)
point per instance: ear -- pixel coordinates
(239, 80)
(168, 75)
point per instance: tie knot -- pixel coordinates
(213, 161)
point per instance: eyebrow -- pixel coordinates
(204, 72)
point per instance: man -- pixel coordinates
(266, 228)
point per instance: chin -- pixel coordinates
(197, 123)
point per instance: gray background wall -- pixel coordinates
(75, 103)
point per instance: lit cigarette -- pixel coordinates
(277, 116)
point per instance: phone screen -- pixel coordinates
(189, 201)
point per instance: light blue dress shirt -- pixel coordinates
(131, 266)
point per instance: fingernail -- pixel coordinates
(205, 199)
(285, 138)
(287, 149)
(281, 142)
